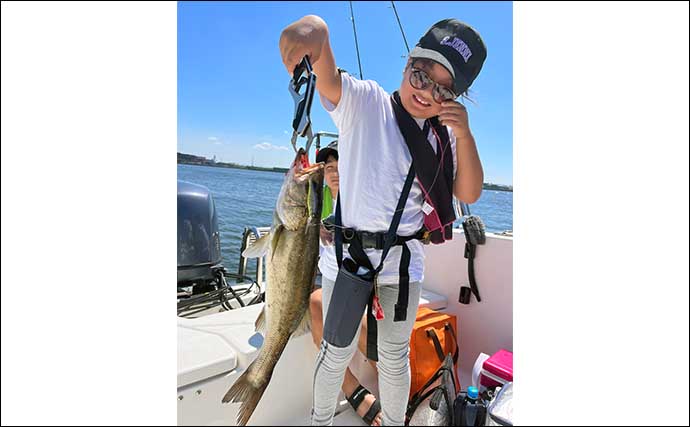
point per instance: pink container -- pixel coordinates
(497, 369)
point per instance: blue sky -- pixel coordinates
(232, 92)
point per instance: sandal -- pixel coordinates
(357, 398)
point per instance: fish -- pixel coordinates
(292, 250)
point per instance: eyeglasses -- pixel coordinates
(419, 79)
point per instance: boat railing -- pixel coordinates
(249, 237)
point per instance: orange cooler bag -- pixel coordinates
(434, 335)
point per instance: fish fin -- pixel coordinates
(304, 325)
(247, 393)
(259, 248)
(277, 232)
(260, 324)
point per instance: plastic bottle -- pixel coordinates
(474, 410)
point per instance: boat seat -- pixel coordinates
(432, 300)
(215, 344)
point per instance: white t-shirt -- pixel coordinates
(373, 162)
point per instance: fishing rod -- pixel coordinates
(400, 25)
(354, 30)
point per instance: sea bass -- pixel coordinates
(291, 249)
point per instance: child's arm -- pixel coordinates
(470, 175)
(309, 36)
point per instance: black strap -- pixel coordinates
(470, 251)
(400, 314)
(431, 333)
(391, 236)
(370, 240)
(421, 395)
(338, 234)
(373, 411)
(356, 399)
(372, 332)
(358, 396)
(359, 256)
(403, 286)
(416, 400)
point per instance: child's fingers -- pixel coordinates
(452, 116)
(452, 122)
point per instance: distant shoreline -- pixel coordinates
(235, 166)
(189, 159)
(498, 187)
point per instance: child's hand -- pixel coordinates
(303, 37)
(326, 236)
(454, 115)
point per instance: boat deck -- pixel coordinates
(214, 350)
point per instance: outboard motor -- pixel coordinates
(198, 238)
(202, 286)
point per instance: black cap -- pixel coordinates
(456, 46)
(329, 150)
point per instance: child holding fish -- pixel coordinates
(412, 149)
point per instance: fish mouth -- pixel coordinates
(302, 168)
(309, 170)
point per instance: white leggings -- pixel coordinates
(393, 365)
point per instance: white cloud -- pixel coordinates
(268, 146)
(286, 132)
(212, 138)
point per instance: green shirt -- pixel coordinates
(327, 208)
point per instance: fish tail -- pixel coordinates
(249, 394)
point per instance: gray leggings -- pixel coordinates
(393, 366)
